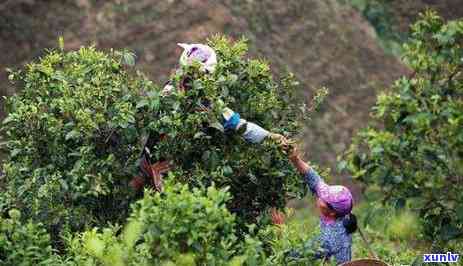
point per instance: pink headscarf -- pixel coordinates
(338, 197)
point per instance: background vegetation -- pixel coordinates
(414, 155)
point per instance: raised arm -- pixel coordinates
(311, 177)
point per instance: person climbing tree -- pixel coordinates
(206, 57)
(335, 203)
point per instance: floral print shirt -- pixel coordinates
(333, 239)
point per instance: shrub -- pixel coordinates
(179, 227)
(259, 176)
(184, 222)
(292, 243)
(76, 129)
(25, 243)
(72, 139)
(413, 151)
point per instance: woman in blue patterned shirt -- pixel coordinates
(335, 203)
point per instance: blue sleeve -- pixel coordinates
(312, 179)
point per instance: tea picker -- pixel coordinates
(337, 222)
(205, 56)
(335, 204)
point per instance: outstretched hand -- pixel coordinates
(290, 149)
(293, 152)
(294, 157)
(282, 141)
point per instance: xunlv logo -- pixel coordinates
(448, 257)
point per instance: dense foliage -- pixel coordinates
(75, 133)
(24, 243)
(191, 227)
(180, 227)
(414, 151)
(76, 130)
(72, 137)
(259, 176)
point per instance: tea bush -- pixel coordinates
(413, 150)
(72, 139)
(76, 129)
(259, 176)
(179, 227)
(25, 243)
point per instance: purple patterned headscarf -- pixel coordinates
(338, 197)
(200, 53)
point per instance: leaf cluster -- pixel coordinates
(179, 227)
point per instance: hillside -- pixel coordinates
(323, 42)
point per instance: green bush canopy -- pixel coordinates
(179, 227)
(76, 130)
(414, 150)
